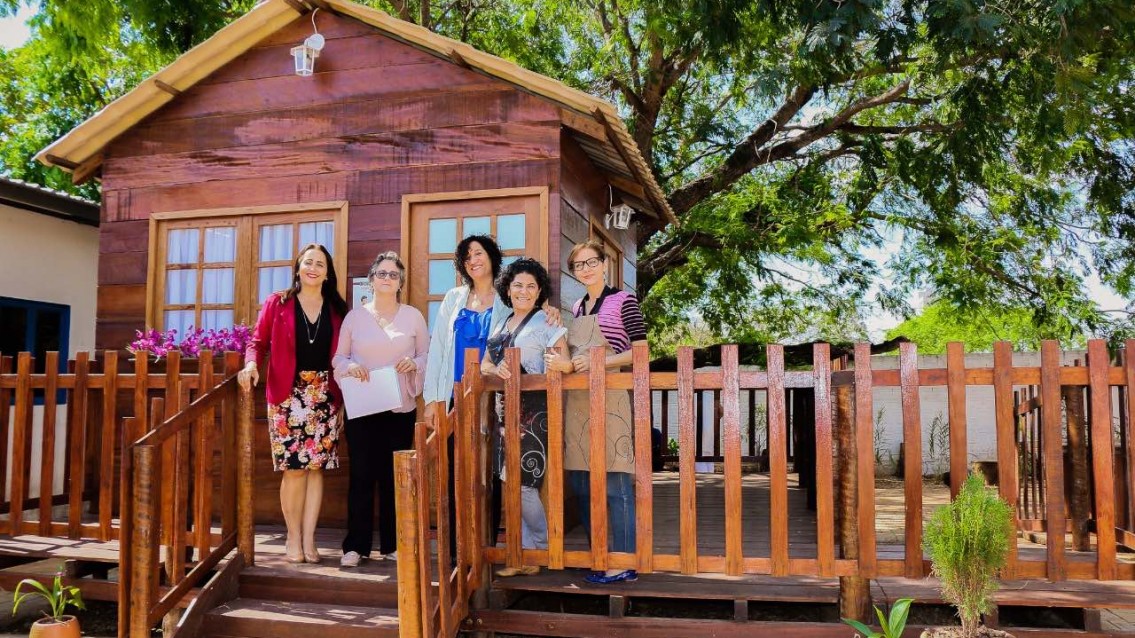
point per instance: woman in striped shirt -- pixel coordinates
(609, 318)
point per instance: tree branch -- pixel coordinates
(745, 156)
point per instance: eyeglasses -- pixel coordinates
(590, 263)
(387, 274)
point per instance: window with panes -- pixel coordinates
(217, 271)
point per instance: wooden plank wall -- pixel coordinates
(378, 120)
(584, 201)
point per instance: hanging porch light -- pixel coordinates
(306, 53)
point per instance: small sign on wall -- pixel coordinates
(360, 292)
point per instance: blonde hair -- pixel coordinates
(593, 244)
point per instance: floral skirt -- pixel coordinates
(304, 428)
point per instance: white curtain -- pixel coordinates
(181, 287)
(273, 279)
(181, 246)
(220, 245)
(276, 243)
(318, 233)
(217, 286)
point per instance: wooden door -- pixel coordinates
(516, 218)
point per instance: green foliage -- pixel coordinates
(968, 541)
(810, 149)
(980, 327)
(892, 625)
(58, 597)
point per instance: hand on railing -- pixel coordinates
(248, 376)
(430, 415)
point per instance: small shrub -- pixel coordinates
(968, 541)
(892, 626)
(59, 596)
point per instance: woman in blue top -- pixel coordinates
(468, 314)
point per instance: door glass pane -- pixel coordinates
(510, 232)
(179, 320)
(508, 260)
(318, 233)
(272, 280)
(431, 313)
(442, 276)
(475, 226)
(443, 235)
(181, 287)
(181, 246)
(220, 245)
(217, 286)
(276, 242)
(216, 319)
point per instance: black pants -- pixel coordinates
(372, 441)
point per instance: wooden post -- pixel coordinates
(854, 591)
(1053, 461)
(1099, 363)
(409, 580)
(245, 541)
(143, 582)
(1079, 501)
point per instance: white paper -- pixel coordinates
(382, 392)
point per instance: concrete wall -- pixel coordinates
(50, 260)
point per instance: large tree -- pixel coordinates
(812, 148)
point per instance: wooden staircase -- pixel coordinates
(277, 600)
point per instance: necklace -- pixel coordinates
(307, 325)
(478, 302)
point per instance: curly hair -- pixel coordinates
(462, 253)
(524, 265)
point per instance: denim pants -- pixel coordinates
(620, 507)
(533, 521)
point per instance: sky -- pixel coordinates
(14, 31)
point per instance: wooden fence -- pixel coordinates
(825, 559)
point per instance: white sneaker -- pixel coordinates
(391, 556)
(350, 559)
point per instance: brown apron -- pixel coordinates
(583, 334)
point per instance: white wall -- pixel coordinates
(52, 260)
(56, 261)
(981, 437)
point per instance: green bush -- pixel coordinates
(968, 541)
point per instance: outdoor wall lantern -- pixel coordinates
(306, 53)
(620, 216)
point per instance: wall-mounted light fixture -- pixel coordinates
(305, 54)
(620, 216)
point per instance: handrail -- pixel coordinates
(157, 465)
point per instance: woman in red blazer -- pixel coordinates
(298, 332)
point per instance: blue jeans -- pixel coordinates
(620, 507)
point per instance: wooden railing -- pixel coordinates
(821, 559)
(193, 467)
(422, 477)
(82, 414)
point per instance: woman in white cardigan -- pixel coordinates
(467, 316)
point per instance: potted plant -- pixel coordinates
(56, 624)
(968, 542)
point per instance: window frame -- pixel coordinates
(33, 308)
(247, 220)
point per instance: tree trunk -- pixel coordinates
(854, 591)
(1079, 500)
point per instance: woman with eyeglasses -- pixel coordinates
(383, 333)
(296, 333)
(524, 287)
(611, 319)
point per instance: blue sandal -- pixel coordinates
(601, 578)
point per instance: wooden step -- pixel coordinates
(324, 584)
(251, 618)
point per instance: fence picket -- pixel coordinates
(825, 503)
(644, 479)
(47, 447)
(597, 424)
(511, 484)
(77, 445)
(912, 458)
(1103, 456)
(21, 439)
(956, 413)
(687, 480)
(731, 412)
(1053, 458)
(865, 448)
(555, 381)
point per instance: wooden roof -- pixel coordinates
(594, 122)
